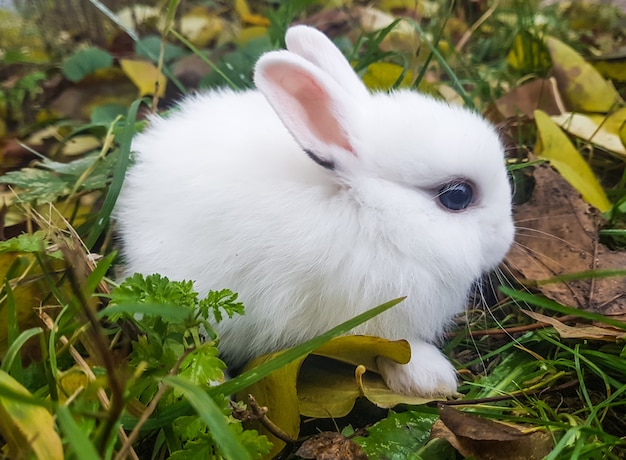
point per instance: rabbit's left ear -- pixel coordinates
(311, 104)
(317, 48)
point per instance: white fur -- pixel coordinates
(223, 194)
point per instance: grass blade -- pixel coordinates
(118, 176)
(78, 440)
(16, 345)
(557, 307)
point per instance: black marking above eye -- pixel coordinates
(456, 196)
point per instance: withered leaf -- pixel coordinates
(581, 331)
(330, 446)
(557, 234)
(484, 439)
(539, 94)
(475, 427)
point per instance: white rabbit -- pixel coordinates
(315, 201)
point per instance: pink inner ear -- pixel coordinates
(308, 110)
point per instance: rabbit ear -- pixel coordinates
(315, 47)
(315, 109)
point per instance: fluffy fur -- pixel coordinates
(223, 193)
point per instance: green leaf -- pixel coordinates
(26, 242)
(105, 114)
(216, 301)
(39, 186)
(155, 289)
(397, 436)
(210, 412)
(197, 449)
(202, 366)
(150, 47)
(168, 312)
(85, 62)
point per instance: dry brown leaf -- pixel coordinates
(581, 331)
(108, 86)
(331, 446)
(484, 439)
(557, 234)
(539, 94)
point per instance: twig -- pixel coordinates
(513, 330)
(259, 413)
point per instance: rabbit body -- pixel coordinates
(316, 201)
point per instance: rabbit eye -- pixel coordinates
(456, 196)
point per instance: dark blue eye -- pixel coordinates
(456, 196)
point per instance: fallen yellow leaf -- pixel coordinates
(382, 76)
(27, 429)
(327, 383)
(145, 76)
(201, 26)
(250, 33)
(242, 8)
(554, 146)
(581, 85)
(402, 37)
(528, 53)
(601, 130)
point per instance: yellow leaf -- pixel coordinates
(402, 37)
(528, 53)
(256, 20)
(554, 146)
(582, 86)
(201, 26)
(613, 69)
(601, 130)
(242, 8)
(27, 429)
(359, 349)
(421, 8)
(251, 33)
(137, 15)
(329, 388)
(328, 382)
(145, 76)
(383, 75)
(278, 392)
(80, 144)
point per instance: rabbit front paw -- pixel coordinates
(428, 373)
